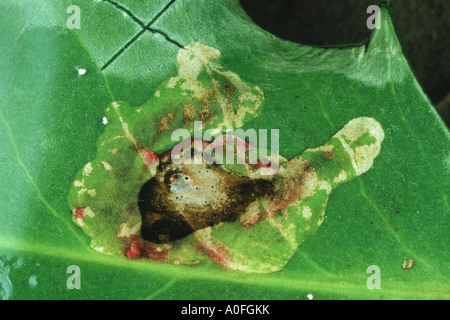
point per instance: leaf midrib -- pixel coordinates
(332, 284)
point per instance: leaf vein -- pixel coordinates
(393, 232)
(164, 288)
(39, 195)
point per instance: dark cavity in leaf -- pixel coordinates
(183, 198)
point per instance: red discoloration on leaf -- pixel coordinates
(79, 213)
(219, 254)
(134, 248)
(256, 216)
(153, 253)
(149, 157)
(133, 252)
(294, 194)
(216, 250)
(138, 248)
(252, 219)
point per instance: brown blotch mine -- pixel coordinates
(329, 155)
(206, 115)
(164, 122)
(183, 198)
(190, 113)
(228, 89)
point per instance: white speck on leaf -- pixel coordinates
(306, 212)
(106, 165)
(32, 281)
(78, 184)
(87, 169)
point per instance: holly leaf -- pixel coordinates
(388, 227)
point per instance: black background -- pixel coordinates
(423, 28)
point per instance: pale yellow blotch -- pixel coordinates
(106, 165)
(99, 249)
(194, 59)
(362, 157)
(88, 212)
(291, 235)
(191, 60)
(139, 110)
(87, 169)
(92, 192)
(324, 148)
(306, 212)
(79, 221)
(78, 183)
(365, 155)
(162, 247)
(324, 185)
(158, 94)
(312, 184)
(341, 177)
(320, 221)
(128, 134)
(114, 152)
(127, 231)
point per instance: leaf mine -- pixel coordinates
(133, 200)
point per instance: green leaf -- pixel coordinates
(51, 117)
